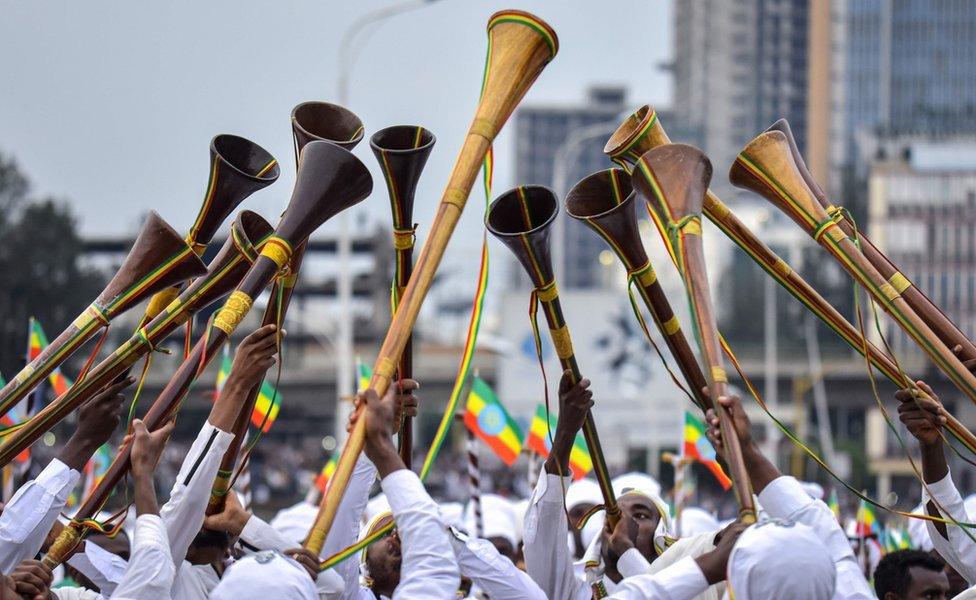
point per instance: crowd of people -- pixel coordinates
(557, 544)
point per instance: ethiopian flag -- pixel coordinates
(485, 416)
(36, 343)
(834, 504)
(866, 522)
(697, 446)
(538, 440)
(363, 376)
(96, 467)
(896, 538)
(266, 406)
(322, 479)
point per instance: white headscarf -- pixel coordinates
(776, 559)
(498, 518)
(583, 491)
(294, 522)
(268, 575)
(377, 504)
(694, 520)
(637, 481)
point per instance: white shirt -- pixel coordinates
(692, 546)
(103, 568)
(151, 569)
(428, 569)
(682, 580)
(784, 498)
(345, 527)
(959, 550)
(479, 561)
(28, 517)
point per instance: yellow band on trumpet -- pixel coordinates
(403, 238)
(197, 247)
(889, 291)
(484, 128)
(671, 326)
(645, 275)
(692, 226)
(94, 312)
(547, 293)
(456, 197)
(899, 281)
(782, 268)
(24, 375)
(385, 368)
(62, 546)
(278, 250)
(172, 306)
(562, 342)
(719, 375)
(830, 229)
(835, 213)
(234, 310)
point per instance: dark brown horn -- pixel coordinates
(311, 121)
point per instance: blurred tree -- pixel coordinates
(40, 270)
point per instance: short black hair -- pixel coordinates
(892, 572)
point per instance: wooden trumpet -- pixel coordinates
(311, 121)
(675, 180)
(606, 202)
(520, 45)
(767, 167)
(402, 152)
(642, 131)
(158, 259)
(522, 219)
(942, 325)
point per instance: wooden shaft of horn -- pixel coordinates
(405, 366)
(696, 280)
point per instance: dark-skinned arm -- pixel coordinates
(575, 402)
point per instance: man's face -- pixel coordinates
(927, 584)
(383, 560)
(641, 509)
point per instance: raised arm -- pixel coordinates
(480, 561)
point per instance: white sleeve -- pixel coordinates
(103, 568)
(151, 571)
(681, 581)
(257, 535)
(345, 526)
(959, 550)
(28, 517)
(428, 568)
(184, 512)
(632, 563)
(547, 558)
(785, 499)
(479, 561)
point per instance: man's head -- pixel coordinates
(778, 559)
(645, 524)
(208, 547)
(911, 575)
(382, 558)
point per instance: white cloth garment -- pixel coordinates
(151, 569)
(692, 546)
(918, 532)
(479, 561)
(959, 550)
(103, 568)
(778, 559)
(378, 504)
(784, 499)
(497, 516)
(452, 514)
(681, 581)
(641, 482)
(693, 521)
(520, 507)
(265, 575)
(31, 512)
(345, 526)
(295, 521)
(583, 491)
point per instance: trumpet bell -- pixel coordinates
(641, 131)
(402, 152)
(522, 219)
(311, 121)
(605, 202)
(673, 178)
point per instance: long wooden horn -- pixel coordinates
(605, 201)
(402, 152)
(642, 131)
(929, 312)
(158, 259)
(248, 233)
(520, 45)
(522, 219)
(766, 166)
(330, 180)
(310, 121)
(238, 168)
(675, 178)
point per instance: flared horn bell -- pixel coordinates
(766, 166)
(238, 168)
(330, 180)
(640, 132)
(311, 121)
(783, 126)
(402, 152)
(522, 219)
(673, 179)
(158, 259)
(605, 202)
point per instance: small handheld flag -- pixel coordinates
(37, 342)
(538, 441)
(866, 522)
(365, 374)
(485, 416)
(268, 402)
(696, 445)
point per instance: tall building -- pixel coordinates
(541, 131)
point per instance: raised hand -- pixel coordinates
(575, 402)
(231, 519)
(32, 579)
(380, 415)
(254, 356)
(714, 563)
(147, 446)
(405, 401)
(305, 558)
(921, 413)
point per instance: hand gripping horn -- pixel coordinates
(519, 47)
(310, 121)
(522, 219)
(248, 233)
(675, 180)
(158, 259)
(402, 152)
(605, 202)
(642, 131)
(238, 168)
(330, 179)
(766, 166)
